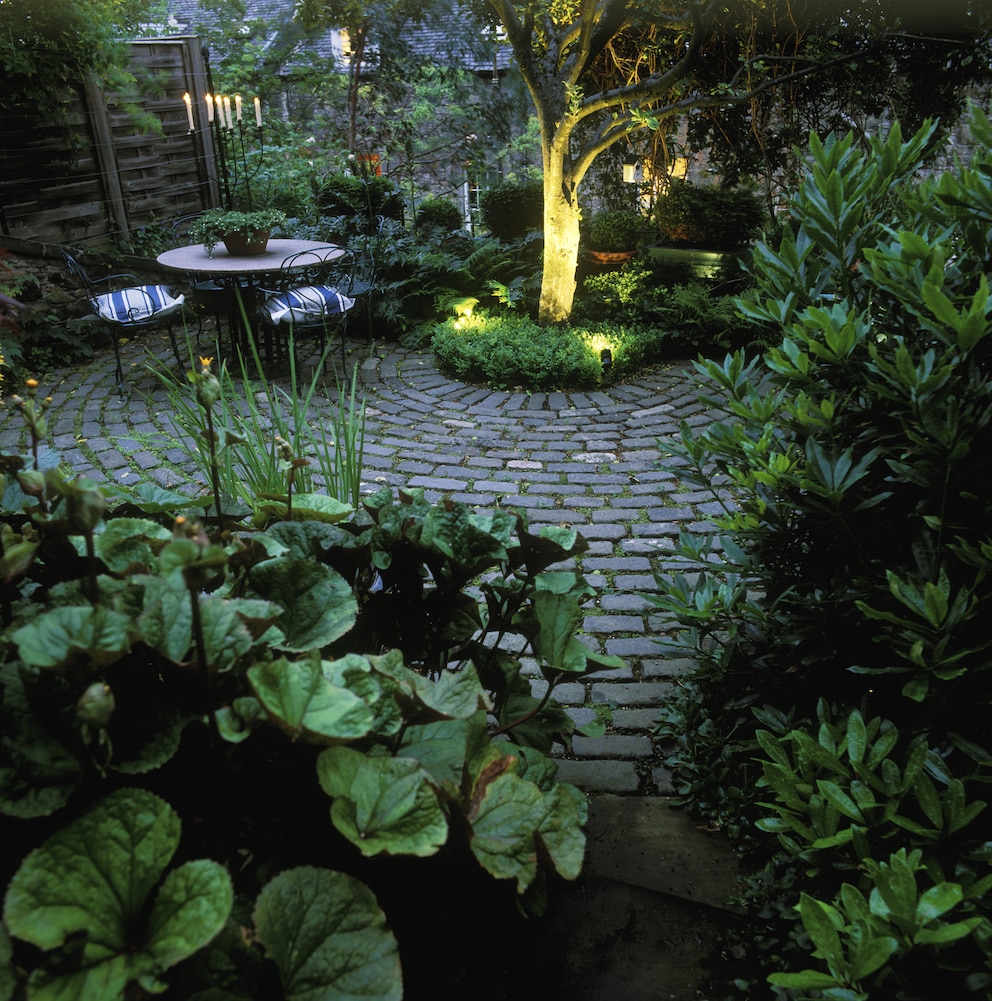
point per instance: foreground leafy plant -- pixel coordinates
(88, 896)
(304, 696)
(857, 936)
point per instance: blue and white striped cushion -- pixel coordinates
(307, 304)
(139, 302)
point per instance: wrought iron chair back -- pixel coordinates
(309, 294)
(364, 279)
(123, 303)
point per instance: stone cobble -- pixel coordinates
(587, 459)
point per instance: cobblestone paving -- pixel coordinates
(587, 459)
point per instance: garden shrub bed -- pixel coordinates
(838, 723)
(509, 351)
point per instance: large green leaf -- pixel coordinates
(85, 890)
(17, 557)
(166, 624)
(190, 908)
(356, 673)
(445, 747)
(306, 705)
(560, 831)
(130, 545)
(225, 636)
(552, 620)
(319, 604)
(50, 640)
(398, 694)
(308, 539)
(148, 746)
(455, 694)
(382, 805)
(306, 507)
(504, 821)
(153, 499)
(8, 980)
(558, 616)
(37, 774)
(328, 937)
(475, 541)
(166, 621)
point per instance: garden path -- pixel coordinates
(653, 900)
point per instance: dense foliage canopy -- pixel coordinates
(48, 45)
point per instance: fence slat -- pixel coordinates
(94, 178)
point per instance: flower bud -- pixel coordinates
(32, 482)
(96, 705)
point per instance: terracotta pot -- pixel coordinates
(238, 244)
(609, 256)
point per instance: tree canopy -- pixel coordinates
(49, 45)
(599, 71)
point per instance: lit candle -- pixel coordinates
(220, 110)
(258, 112)
(237, 106)
(210, 108)
(227, 113)
(189, 110)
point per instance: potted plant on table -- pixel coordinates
(243, 233)
(615, 236)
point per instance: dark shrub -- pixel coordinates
(721, 218)
(438, 212)
(363, 197)
(841, 702)
(510, 209)
(618, 230)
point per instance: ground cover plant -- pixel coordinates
(691, 317)
(217, 736)
(838, 723)
(628, 313)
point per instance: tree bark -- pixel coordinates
(561, 252)
(561, 232)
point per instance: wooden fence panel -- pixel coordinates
(96, 178)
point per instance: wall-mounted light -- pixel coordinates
(630, 170)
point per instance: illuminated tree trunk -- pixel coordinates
(561, 234)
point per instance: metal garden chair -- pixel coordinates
(309, 295)
(364, 279)
(123, 304)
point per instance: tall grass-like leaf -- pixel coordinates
(340, 454)
(250, 417)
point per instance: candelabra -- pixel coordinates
(237, 157)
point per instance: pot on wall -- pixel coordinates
(609, 256)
